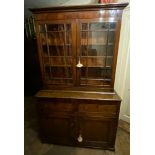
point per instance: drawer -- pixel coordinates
(52, 108)
(98, 108)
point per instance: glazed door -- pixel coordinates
(57, 52)
(96, 42)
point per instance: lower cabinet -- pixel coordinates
(81, 123)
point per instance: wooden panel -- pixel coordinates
(105, 110)
(113, 6)
(52, 109)
(97, 132)
(56, 130)
(75, 15)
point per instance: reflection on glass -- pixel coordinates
(97, 37)
(98, 26)
(55, 27)
(112, 25)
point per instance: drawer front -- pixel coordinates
(55, 109)
(105, 110)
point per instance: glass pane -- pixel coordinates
(109, 61)
(110, 50)
(56, 38)
(84, 26)
(68, 37)
(108, 74)
(96, 72)
(60, 61)
(111, 37)
(97, 37)
(45, 51)
(97, 50)
(55, 27)
(47, 72)
(98, 26)
(93, 61)
(112, 25)
(92, 72)
(84, 38)
(68, 27)
(43, 38)
(61, 72)
(42, 28)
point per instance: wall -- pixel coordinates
(47, 3)
(122, 80)
(40, 3)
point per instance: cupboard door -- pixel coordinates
(96, 53)
(97, 132)
(57, 130)
(57, 52)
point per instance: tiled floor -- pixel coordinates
(33, 145)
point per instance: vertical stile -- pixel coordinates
(64, 47)
(107, 42)
(47, 43)
(88, 24)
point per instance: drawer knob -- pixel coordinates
(80, 139)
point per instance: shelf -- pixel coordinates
(56, 78)
(97, 44)
(96, 56)
(59, 31)
(104, 30)
(57, 56)
(95, 79)
(104, 67)
(51, 65)
(56, 44)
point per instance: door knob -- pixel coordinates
(80, 139)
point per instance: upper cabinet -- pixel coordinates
(78, 46)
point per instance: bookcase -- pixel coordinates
(77, 51)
